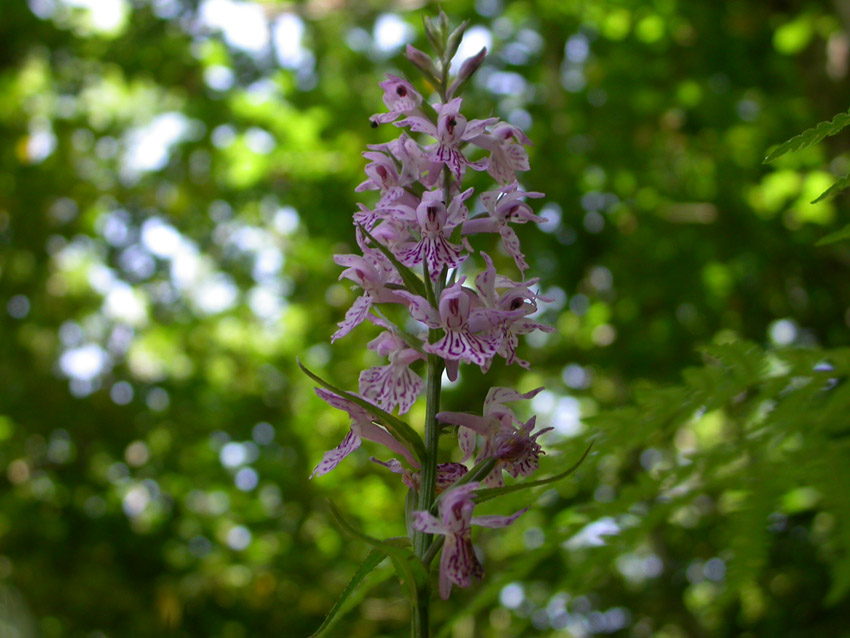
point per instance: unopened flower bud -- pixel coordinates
(422, 62)
(454, 38)
(467, 69)
(435, 36)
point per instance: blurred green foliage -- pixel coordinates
(174, 177)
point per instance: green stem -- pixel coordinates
(420, 621)
(428, 476)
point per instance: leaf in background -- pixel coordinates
(837, 187)
(410, 571)
(811, 136)
(375, 557)
(838, 235)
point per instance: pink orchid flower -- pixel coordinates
(435, 223)
(459, 343)
(458, 563)
(504, 206)
(507, 154)
(451, 131)
(507, 310)
(400, 98)
(496, 415)
(372, 280)
(394, 384)
(516, 451)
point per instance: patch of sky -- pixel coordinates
(285, 220)
(473, 41)
(593, 534)
(783, 332)
(85, 362)
(160, 238)
(520, 118)
(390, 33)
(238, 537)
(243, 24)
(506, 83)
(246, 479)
(552, 213)
(577, 48)
(259, 140)
(287, 35)
(148, 148)
(123, 303)
(512, 595)
(41, 141)
(358, 39)
(106, 16)
(219, 77)
(488, 8)
(18, 306)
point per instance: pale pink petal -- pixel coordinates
(510, 241)
(464, 346)
(481, 225)
(448, 473)
(428, 523)
(458, 564)
(517, 156)
(333, 457)
(377, 434)
(479, 424)
(475, 128)
(466, 439)
(497, 396)
(354, 317)
(419, 124)
(420, 309)
(497, 521)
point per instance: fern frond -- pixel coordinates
(811, 136)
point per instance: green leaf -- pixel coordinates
(396, 426)
(493, 492)
(375, 557)
(811, 136)
(412, 574)
(413, 283)
(838, 235)
(837, 187)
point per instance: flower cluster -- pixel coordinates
(415, 255)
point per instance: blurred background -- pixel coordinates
(174, 178)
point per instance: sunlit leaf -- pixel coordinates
(810, 136)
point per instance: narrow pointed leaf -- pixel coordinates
(488, 493)
(409, 569)
(396, 426)
(838, 235)
(375, 558)
(837, 187)
(410, 280)
(811, 136)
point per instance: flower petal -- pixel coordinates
(428, 523)
(354, 317)
(333, 457)
(497, 521)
